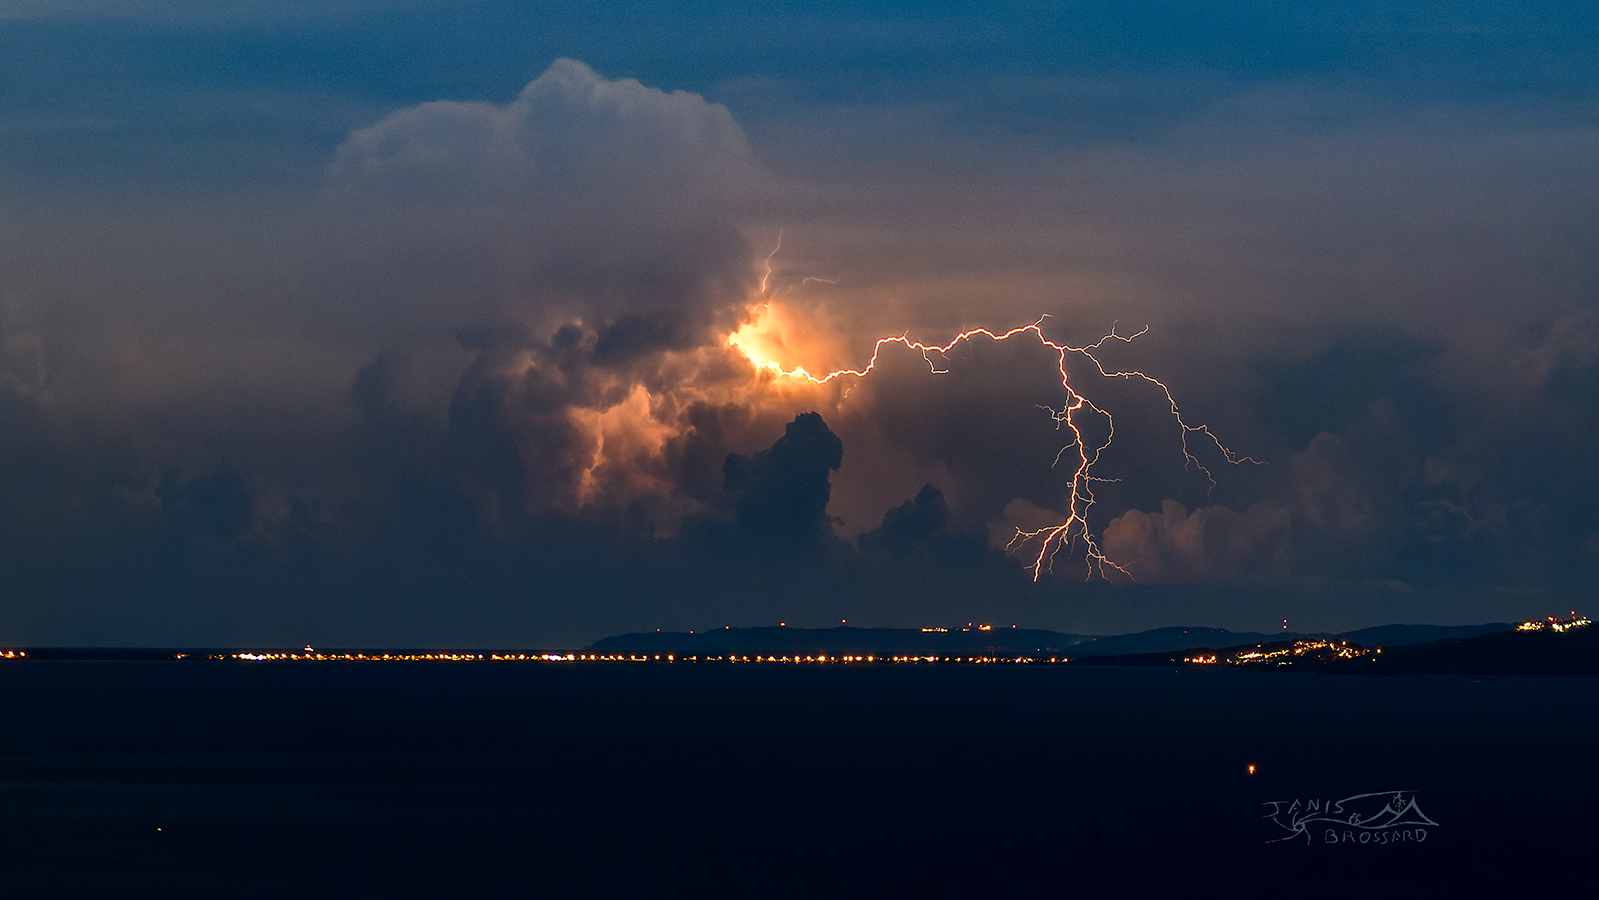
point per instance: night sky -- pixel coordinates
(408, 324)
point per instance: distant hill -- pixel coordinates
(1573, 652)
(1170, 640)
(1504, 652)
(1404, 635)
(1011, 642)
(843, 641)
(1167, 640)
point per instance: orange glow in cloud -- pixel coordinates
(776, 341)
(624, 436)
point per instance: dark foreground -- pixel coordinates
(512, 780)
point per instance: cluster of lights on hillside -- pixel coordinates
(1550, 623)
(1321, 651)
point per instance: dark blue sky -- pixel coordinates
(187, 97)
(292, 351)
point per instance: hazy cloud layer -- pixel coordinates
(605, 202)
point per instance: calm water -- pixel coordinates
(509, 780)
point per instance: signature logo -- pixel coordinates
(1384, 817)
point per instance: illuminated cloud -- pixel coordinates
(1176, 545)
(584, 243)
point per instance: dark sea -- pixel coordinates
(444, 780)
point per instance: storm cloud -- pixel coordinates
(417, 334)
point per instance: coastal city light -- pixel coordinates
(1304, 652)
(534, 657)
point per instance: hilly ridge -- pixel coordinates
(850, 641)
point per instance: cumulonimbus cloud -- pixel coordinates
(585, 243)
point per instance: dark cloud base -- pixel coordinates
(438, 548)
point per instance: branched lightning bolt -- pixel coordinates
(1053, 539)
